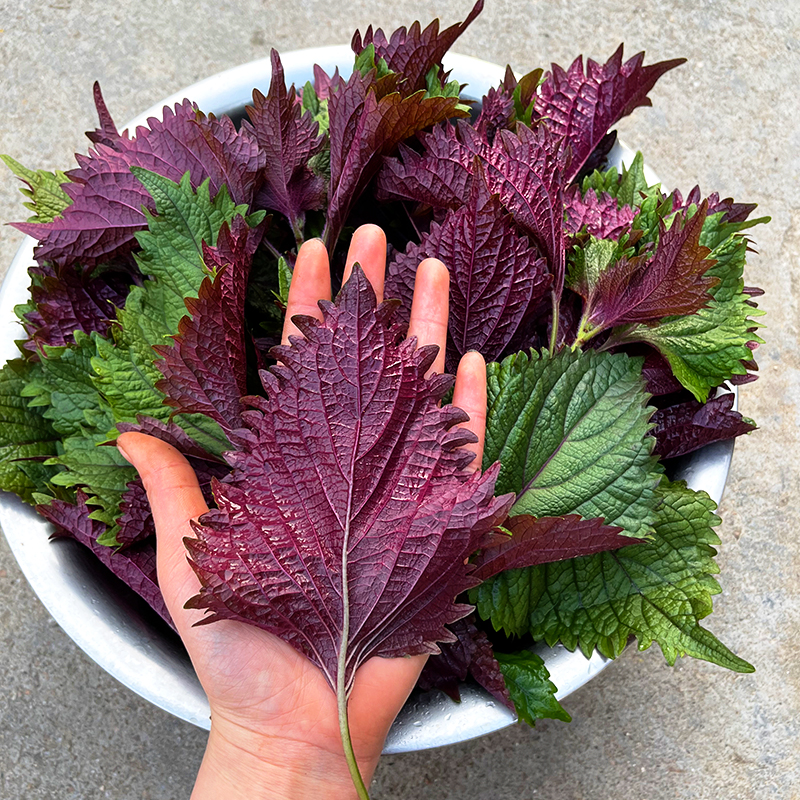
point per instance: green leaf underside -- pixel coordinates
(657, 591)
(47, 198)
(570, 431)
(532, 691)
(24, 434)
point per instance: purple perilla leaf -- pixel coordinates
(581, 105)
(497, 112)
(470, 654)
(413, 52)
(496, 277)
(69, 299)
(734, 212)
(107, 133)
(346, 523)
(543, 540)
(364, 129)
(205, 371)
(288, 140)
(135, 566)
(526, 169)
(648, 287)
(686, 427)
(440, 176)
(106, 211)
(602, 216)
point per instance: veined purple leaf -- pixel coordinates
(363, 129)
(497, 112)
(107, 133)
(106, 211)
(136, 517)
(470, 654)
(656, 371)
(734, 212)
(440, 176)
(543, 540)
(496, 277)
(288, 140)
(364, 553)
(645, 288)
(413, 52)
(581, 105)
(70, 299)
(525, 169)
(601, 216)
(205, 371)
(685, 427)
(135, 566)
(324, 82)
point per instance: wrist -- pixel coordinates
(240, 764)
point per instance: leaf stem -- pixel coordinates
(344, 730)
(271, 247)
(554, 326)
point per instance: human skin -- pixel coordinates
(274, 722)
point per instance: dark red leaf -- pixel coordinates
(70, 299)
(686, 427)
(413, 52)
(135, 566)
(546, 539)
(646, 288)
(526, 170)
(363, 129)
(657, 373)
(582, 105)
(348, 518)
(470, 654)
(601, 216)
(106, 211)
(205, 371)
(497, 112)
(496, 277)
(288, 140)
(107, 133)
(440, 176)
(136, 518)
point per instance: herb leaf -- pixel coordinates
(570, 431)
(657, 591)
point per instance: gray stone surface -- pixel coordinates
(728, 120)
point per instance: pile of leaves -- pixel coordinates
(613, 316)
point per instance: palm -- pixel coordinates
(254, 681)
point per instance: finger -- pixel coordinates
(469, 394)
(368, 248)
(311, 281)
(175, 498)
(429, 308)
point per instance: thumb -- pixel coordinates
(175, 498)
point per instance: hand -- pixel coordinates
(274, 726)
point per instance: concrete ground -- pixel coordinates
(728, 120)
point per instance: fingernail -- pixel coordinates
(123, 453)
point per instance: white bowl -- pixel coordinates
(117, 630)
